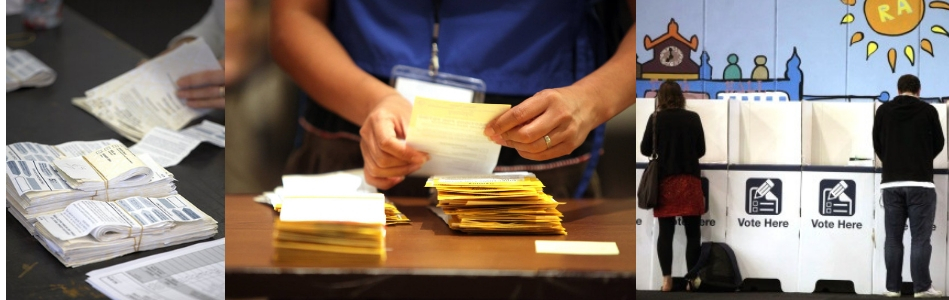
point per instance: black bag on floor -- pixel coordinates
(716, 270)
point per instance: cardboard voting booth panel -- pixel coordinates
(837, 133)
(645, 246)
(714, 187)
(764, 221)
(768, 133)
(837, 227)
(937, 264)
(644, 108)
(714, 115)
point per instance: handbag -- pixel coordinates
(648, 192)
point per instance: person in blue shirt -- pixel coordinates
(546, 58)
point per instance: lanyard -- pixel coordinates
(433, 65)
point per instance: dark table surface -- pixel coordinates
(84, 56)
(428, 260)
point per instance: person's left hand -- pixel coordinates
(564, 115)
(202, 89)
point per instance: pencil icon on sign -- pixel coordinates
(836, 197)
(764, 196)
(764, 188)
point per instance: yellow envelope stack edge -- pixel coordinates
(342, 229)
(512, 203)
(394, 216)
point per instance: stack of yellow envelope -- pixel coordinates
(394, 216)
(344, 228)
(500, 203)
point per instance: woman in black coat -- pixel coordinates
(680, 142)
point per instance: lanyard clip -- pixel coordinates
(433, 66)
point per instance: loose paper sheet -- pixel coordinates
(452, 134)
(24, 69)
(207, 131)
(167, 147)
(576, 248)
(193, 272)
(144, 98)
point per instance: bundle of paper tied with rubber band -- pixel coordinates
(350, 228)
(328, 185)
(500, 203)
(42, 178)
(90, 231)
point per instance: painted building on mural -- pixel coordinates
(847, 50)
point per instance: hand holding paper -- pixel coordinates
(563, 115)
(387, 159)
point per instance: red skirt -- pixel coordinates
(680, 195)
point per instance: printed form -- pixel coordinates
(452, 134)
(144, 98)
(194, 272)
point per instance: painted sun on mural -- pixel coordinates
(895, 18)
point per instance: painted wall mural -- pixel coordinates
(764, 50)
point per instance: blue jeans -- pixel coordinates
(919, 205)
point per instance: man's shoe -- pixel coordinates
(931, 293)
(890, 294)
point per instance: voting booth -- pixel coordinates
(937, 265)
(837, 189)
(764, 180)
(714, 177)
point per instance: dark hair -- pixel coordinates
(908, 83)
(670, 95)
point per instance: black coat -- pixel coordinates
(680, 139)
(907, 136)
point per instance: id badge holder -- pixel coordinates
(413, 82)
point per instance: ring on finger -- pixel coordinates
(547, 141)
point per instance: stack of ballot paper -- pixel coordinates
(144, 98)
(37, 182)
(499, 203)
(93, 231)
(23, 69)
(329, 185)
(113, 166)
(337, 228)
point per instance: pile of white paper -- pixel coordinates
(23, 69)
(113, 166)
(143, 98)
(93, 231)
(346, 184)
(36, 185)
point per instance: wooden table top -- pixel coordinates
(428, 247)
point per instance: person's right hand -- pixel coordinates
(386, 157)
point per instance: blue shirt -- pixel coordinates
(516, 47)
